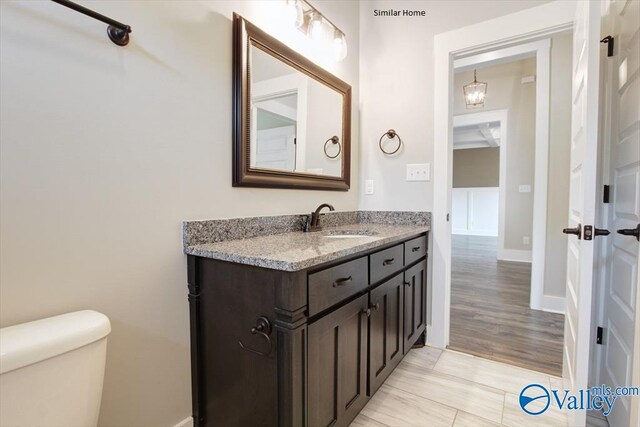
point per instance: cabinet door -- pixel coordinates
(415, 303)
(337, 365)
(386, 337)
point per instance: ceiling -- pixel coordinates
(481, 135)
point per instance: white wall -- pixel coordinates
(396, 81)
(105, 150)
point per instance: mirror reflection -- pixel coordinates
(293, 119)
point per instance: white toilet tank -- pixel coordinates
(52, 370)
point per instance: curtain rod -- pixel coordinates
(117, 31)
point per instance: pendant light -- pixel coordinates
(475, 92)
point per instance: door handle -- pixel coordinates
(577, 231)
(601, 232)
(591, 231)
(630, 232)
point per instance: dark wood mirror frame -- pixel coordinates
(246, 34)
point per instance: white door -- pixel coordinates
(275, 148)
(621, 266)
(582, 202)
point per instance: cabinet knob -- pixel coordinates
(367, 312)
(375, 306)
(407, 283)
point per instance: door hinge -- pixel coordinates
(610, 43)
(295, 141)
(605, 194)
(599, 332)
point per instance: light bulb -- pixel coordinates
(339, 45)
(294, 13)
(315, 26)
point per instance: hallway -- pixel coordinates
(490, 314)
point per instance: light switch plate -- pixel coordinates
(524, 189)
(368, 186)
(418, 172)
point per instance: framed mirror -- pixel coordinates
(292, 119)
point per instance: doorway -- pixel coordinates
(494, 194)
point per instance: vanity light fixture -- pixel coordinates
(316, 26)
(474, 92)
(339, 45)
(295, 13)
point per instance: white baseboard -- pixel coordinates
(514, 255)
(187, 422)
(553, 304)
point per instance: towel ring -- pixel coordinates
(333, 140)
(390, 134)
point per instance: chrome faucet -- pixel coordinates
(314, 223)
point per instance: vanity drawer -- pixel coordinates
(329, 287)
(385, 263)
(415, 249)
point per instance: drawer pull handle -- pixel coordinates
(416, 249)
(342, 282)
(262, 328)
(388, 261)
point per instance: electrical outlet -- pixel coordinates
(526, 240)
(418, 172)
(524, 189)
(368, 186)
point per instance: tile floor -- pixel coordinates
(433, 387)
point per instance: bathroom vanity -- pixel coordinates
(301, 329)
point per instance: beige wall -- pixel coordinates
(476, 167)
(504, 91)
(105, 150)
(555, 274)
(396, 81)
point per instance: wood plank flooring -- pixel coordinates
(490, 314)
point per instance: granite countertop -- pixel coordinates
(297, 250)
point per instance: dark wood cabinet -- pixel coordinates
(415, 303)
(337, 367)
(302, 348)
(386, 332)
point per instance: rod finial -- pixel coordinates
(118, 35)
